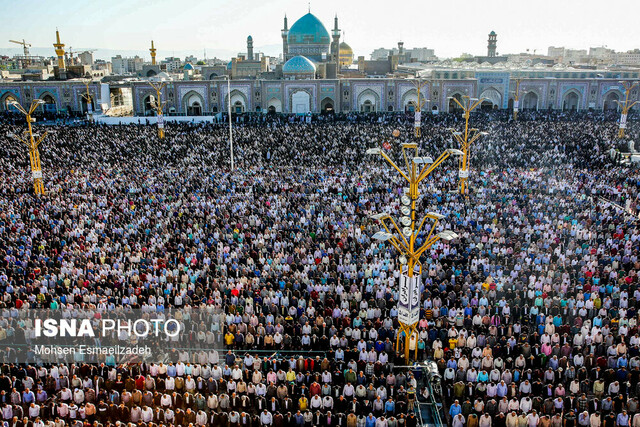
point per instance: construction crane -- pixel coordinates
(24, 44)
(26, 47)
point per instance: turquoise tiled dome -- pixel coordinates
(299, 64)
(188, 66)
(229, 65)
(308, 30)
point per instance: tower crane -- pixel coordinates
(24, 44)
(26, 47)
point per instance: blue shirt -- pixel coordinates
(622, 420)
(455, 409)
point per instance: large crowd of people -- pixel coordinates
(530, 314)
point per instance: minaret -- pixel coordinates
(493, 42)
(250, 48)
(400, 48)
(335, 46)
(59, 51)
(285, 43)
(153, 54)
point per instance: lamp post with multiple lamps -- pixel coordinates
(625, 106)
(467, 138)
(419, 84)
(32, 144)
(516, 99)
(88, 98)
(158, 105)
(228, 78)
(406, 239)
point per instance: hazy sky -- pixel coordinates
(221, 26)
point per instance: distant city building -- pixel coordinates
(601, 53)
(631, 57)
(421, 54)
(382, 53)
(100, 64)
(86, 58)
(172, 64)
(122, 65)
(555, 52)
(568, 56)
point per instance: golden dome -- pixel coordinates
(345, 55)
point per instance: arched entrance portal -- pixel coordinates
(274, 105)
(195, 109)
(149, 103)
(49, 104)
(326, 106)
(5, 103)
(300, 102)
(571, 101)
(488, 106)
(530, 101)
(368, 101)
(410, 101)
(492, 99)
(238, 102)
(193, 104)
(611, 102)
(453, 105)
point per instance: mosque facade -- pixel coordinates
(309, 50)
(325, 96)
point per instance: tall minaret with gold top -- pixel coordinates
(153, 54)
(59, 51)
(62, 69)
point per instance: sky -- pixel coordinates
(222, 26)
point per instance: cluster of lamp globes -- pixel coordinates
(405, 200)
(406, 221)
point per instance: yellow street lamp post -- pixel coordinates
(516, 99)
(230, 119)
(404, 239)
(625, 106)
(419, 84)
(88, 98)
(467, 138)
(158, 105)
(32, 144)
